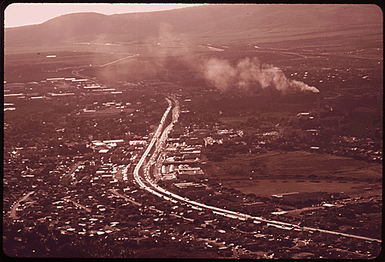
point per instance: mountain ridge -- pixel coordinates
(227, 23)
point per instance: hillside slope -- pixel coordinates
(208, 23)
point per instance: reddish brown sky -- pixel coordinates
(19, 14)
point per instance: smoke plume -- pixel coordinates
(169, 45)
(248, 74)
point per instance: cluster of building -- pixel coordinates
(76, 186)
(359, 148)
(181, 161)
(118, 213)
(54, 87)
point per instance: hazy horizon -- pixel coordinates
(20, 14)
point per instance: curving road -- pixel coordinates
(145, 182)
(16, 205)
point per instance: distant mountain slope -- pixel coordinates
(225, 23)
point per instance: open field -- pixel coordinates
(41, 65)
(299, 171)
(110, 111)
(321, 165)
(233, 120)
(301, 164)
(267, 187)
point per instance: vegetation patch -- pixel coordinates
(277, 172)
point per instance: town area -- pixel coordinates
(136, 170)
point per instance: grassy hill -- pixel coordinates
(215, 24)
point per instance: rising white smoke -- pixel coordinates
(169, 45)
(249, 73)
(220, 73)
(246, 75)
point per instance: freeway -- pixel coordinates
(159, 139)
